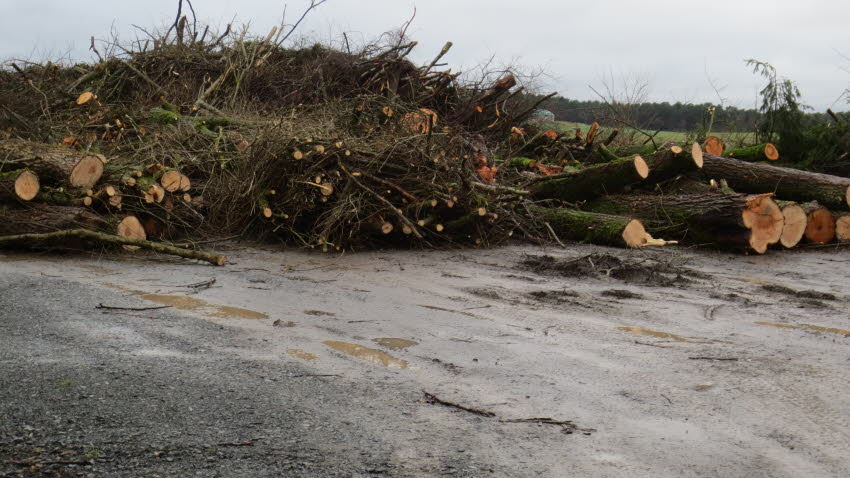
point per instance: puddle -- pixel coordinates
(394, 343)
(298, 353)
(370, 355)
(182, 302)
(319, 313)
(654, 333)
(816, 328)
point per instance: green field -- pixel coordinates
(731, 139)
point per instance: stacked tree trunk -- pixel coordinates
(51, 189)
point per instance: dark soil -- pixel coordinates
(622, 294)
(644, 271)
(802, 294)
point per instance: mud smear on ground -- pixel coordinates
(621, 294)
(370, 355)
(645, 271)
(807, 297)
(394, 343)
(815, 328)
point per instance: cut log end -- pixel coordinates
(267, 212)
(86, 172)
(820, 227)
(27, 185)
(713, 145)
(387, 227)
(641, 167)
(131, 227)
(842, 228)
(635, 235)
(697, 154)
(170, 180)
(765, 220)
(794, 227)
(770, 152)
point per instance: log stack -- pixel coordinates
(363, 150)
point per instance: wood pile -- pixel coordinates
(342, 151)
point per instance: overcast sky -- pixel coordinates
(674, 46)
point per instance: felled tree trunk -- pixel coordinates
(54, 163)
(20, 184)
(820, 223)
(593, 181)
(673, 161)
(795, 223)
(759, 152)
(728, 220)
(40, 218)
(791, 184)
(601, 229)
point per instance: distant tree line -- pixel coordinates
(666, 116)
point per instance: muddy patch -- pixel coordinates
(300, 354)
(800, 294)
(365, 353)
(203, 307)
(644, 271)
(660, 335)
(319, 313)
(621, 294)
(394, 343)
(814, 328)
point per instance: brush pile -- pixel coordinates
(183, 138)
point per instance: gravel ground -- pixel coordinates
(295, 364)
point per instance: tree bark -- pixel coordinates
(787, 183)
(20, 184)
(593, 181)
(53, 163)
(41, 218)
(601, 229)
(727, 220)
(671, 162)
(62, 237)
(759, 152)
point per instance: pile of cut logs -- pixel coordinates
(730, 199)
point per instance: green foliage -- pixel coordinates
(783, 118)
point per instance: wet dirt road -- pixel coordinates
(648, 363)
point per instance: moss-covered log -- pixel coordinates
(53, 163)
(601, 229)
(64, 197)
(726, 220)
(759, 152)
(62, 238)
(594, 181)
(787, 183)
(20, 185)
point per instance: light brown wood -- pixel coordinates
(641, 167)
(794, 226)
(842, 228)
(770, 152)
(22, 185)
(820, 226)
(170, 180)
(130, 227)
(713, 145)
(764, 218)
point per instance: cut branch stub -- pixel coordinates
(601, 229)
(170, 180)
(130, 227)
